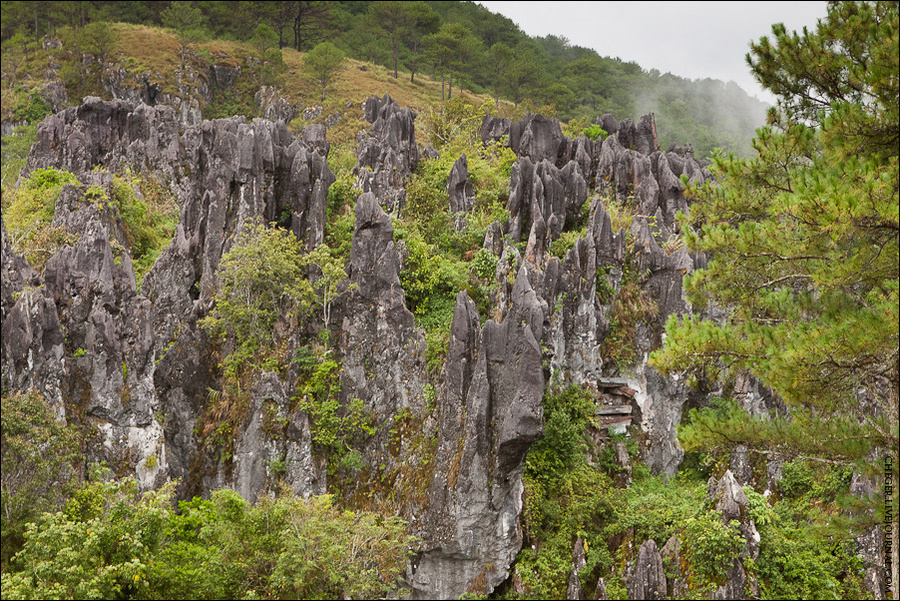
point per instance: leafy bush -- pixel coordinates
(656, 508)
(33, 204)
(484, 265)
(595, 131)
(39, 456)
(32, 107)
(262, 277)
(115, 543)
(99, 548)
(149, 218)
(336, 429)
(798, 557)
(16, 147)
(567, 415)
(796, 480)
(710, 546)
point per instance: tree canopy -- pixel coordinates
(323, 62)
(803, 247)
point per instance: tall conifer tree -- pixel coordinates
(803, 247)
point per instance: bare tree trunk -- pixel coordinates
(396, 43)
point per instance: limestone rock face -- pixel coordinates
(111, 134)
(33, 356)
(494, 128)
(459, 188)
(387, 158)
(143, 356)
(579, 561)
(490, 413)
(647, 577)
(538, 138)
(273, 106)
(541, 191)
(732, 503)
(383, 350)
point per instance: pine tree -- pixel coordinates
(803, 247)
(188, 23)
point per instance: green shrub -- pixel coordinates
(336, 428)
(262, 277)
(99, 548)
(116, 543)
(29, 210)
(565, 498)
(484, 265)
(39, 455)
(802, 555)
(595, 131)
(796, 479)
(653, 507)
(710, 546)
(16, 147)
(32, 107)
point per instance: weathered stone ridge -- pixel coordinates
(389, 155)
(143, 372)
(144, 355)
(490, 413)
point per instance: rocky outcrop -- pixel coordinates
(375, 313)
(32, 341)
(579, 561)
(490, 412)
(382, 349)
(630, 164)
(541, 191)
(459, 188)
(493, 129)
(143, 355)
(538, 138)
(646, 578)
(107, 328)
(273, 106)
(389, 155)
(733, 505)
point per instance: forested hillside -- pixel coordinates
(458, 43)
(388, 300)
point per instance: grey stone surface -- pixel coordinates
(490, 412)
(646, 578)
(389, 155)
(459, 188)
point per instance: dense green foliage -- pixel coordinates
(113, 542)
(336, 429)
(441, 247)
(263, 276)
(39, 456)
(323, 62)
(456, 43)
(804, 246)
(806, 547)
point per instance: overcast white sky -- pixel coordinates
(691, 39)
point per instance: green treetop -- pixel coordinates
(803, 247)
(322, 63)
(188, 23)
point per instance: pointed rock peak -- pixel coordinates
(731, 497)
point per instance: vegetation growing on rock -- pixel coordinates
(448, 333)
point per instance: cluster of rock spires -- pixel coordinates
(138, 367)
